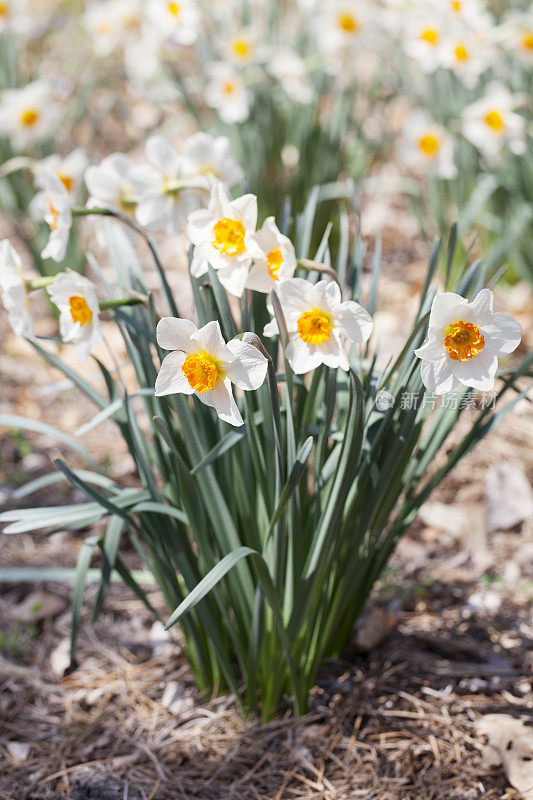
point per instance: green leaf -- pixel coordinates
(80, 578)
(14, 421)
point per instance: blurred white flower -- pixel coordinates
(223, 235)
(203, 364)
(227, 93)
(159, 186)
(491, 124)
(210, 158)
(111, 184)
(177, 22)
(464, 342)
(426, 146)
(338, 28)
(14, 292)
(318, 322)
(14, 16)
(69, 170)
(467, 56)
(289, 69)
(107, 22)
(28, 115)
(53, 205)
(422, 41)
(275, 260)
(241, 47)
(516, 34)
(79, 311)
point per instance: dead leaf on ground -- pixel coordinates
(510, 743)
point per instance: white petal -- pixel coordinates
(479, 372)
(354, 321)
(332, 353)
(482, 306)
(259, 279)
(171, 379)
(221, 399)
(271, 328)
(249, 369)
(503, 334)
(162, 155)
(209, 338)
(445, 309)
(154, 212)
(437, 376)
(200, 226)
(246, 209)
(432, 350)
(175, 334)
(301, 356)
(233, 278)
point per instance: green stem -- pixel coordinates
(81, 211)
(39, 283)
(309, 265)
(123, 301)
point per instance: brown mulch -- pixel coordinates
(395, 724)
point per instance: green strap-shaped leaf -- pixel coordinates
(14, 421)
(80, 578)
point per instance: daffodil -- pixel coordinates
(274, 261)
(223, 236)
(111, 184)
(209, 158)
(464, 342)
(28, 115)
(426, 146)
(159, 186)
(53, 204)
(69, 170)
(318, 322)
(79, 311)
(422, 40)
(201, 363)
(490, 123)
(338, 27)
(227, 93)
(291, 72)
(176, 22)
(14, 291)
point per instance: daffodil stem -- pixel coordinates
(39, 283)
(123, 301)
(309, 265)
(82, 211)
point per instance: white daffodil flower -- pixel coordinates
(79, 311)
(28, 115)
(426, 146)
(111, 184)
(53, 204)
(223, 235)
(14, 16)
(464, 342)
(69, 170)
(177, 22)
(422, 40)
(338, 27)
(274, 261)
(467, 55)
(203, 364)
(317, 322)
(241, 48)
(227, 93)
(516, 35)
(159, 187)
(209, 159)
(14, 291)
(490, 123)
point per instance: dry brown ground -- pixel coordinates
(397, 723)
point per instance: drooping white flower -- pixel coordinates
(177, 22)
(227, 93)
(159, 187)
(318, 322)
(464, 342)
(490, 123)
(79, 311)
(14, 291)
(223, 236)
(111, 184)
(201, 363)
(53, 205)
(427, 146)
(274, 261)
(69, 170)
(210, 158)
(28, 115)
